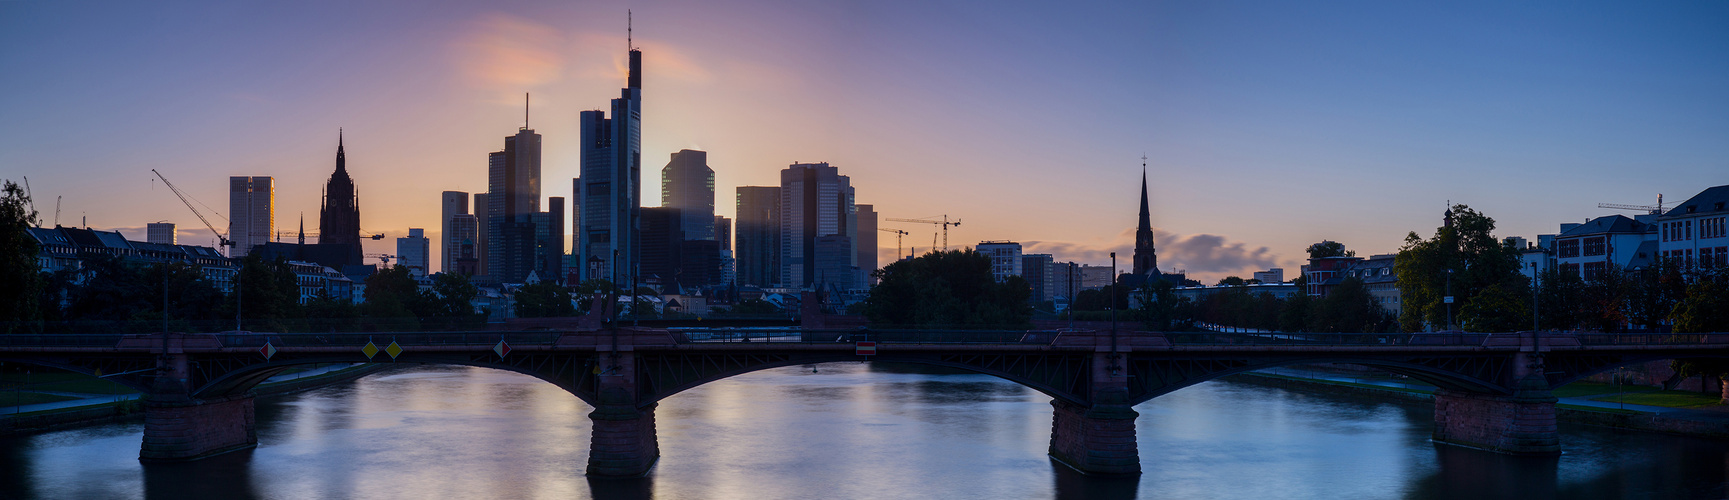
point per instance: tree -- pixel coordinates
(19, 297)
(1328, 248)
(948, 289)
(1463, 256)
(1498, 308)
(755, 306)
(544, 300)
(392, 300)
(1232, 281)
(1706, 306)
(451, 296)
(1162, 310)
(1655, 291)
(1296, 313)
(1605, 300)
(1349, 308)
(1559, 298)
(269, 296)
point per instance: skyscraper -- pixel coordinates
(818, 227)
(480, 233)
(1146, 262)
(612, 183)
(687, 184)
(513, 196)
(252, 212)
(465, 232)
(454, 203)
(867, 243)
(756, 254)
(339, 218)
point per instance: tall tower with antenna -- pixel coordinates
(610, 187)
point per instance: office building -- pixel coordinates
(662, 234)
(251, 212)
(414, 252)
(452, 204)
(465, 237)
(611, 176)
(479, 211)
(1039, 271)
(1694, 233)
(513, 197)
(1005, 258)
(756, 254)
(687, 184)
(867, 244)
(818, 228)
(161, 233)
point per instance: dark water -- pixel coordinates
(845, 431)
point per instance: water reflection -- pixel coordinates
(846, 430)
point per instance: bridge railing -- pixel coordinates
(830, 336)
(1651, 338)
(60, 339)
(1272, 338)
(245, 339)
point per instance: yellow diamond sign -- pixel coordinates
(393, 350)
(370, 350)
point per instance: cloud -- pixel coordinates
(1203, 256)
(502, 51)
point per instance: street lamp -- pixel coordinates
(1533, 296)
(1448, 300)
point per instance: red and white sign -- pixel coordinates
(502, 348)
(268, 350)
(865, 348)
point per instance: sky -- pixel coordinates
(1266, 126)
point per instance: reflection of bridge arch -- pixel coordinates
(223, 377)
(1152, 375)
(660, 375)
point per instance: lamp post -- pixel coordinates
(1113, 298)
(1534, 296)
(1448, 300)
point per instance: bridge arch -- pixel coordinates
(1574, 368)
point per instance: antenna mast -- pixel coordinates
(628, 45)
(525, 110)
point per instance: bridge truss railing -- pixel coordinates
(242, 339)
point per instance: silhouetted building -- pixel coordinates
(662, 243)
(612, 183)
(1146, 261)
(465, 235)
(1039, 271)
(1005, 258)
(480, 233)
(513, 197)
(161, 233)
(414, 252)
(452, 204)
(687, 184)
(867, 243)
(818, 227)
(757, 252)
(251, 212)
(339, 218)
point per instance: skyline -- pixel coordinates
(1268, 127)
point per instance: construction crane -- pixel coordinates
(383, 258)
(927, 220)
(898, 235)
(32, 198)
(1651, 209)
(220, 238)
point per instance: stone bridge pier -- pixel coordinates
(178, 427)
(623, 441)
(1099, 439)
(1522, 423)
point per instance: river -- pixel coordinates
(842, 430)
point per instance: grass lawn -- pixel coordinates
(1672, 399)
(1582, 389)
(12, 398)
(61, 382)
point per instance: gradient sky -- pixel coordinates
(1268, 126)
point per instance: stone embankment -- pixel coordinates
(128, 407)
(1680, 421)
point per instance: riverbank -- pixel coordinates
(1580, 410)
(43, 417)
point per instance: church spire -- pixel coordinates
(1146, 261)
(340, 159)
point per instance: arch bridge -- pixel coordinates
(1493, 389)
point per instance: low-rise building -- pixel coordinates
(1693, 233)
